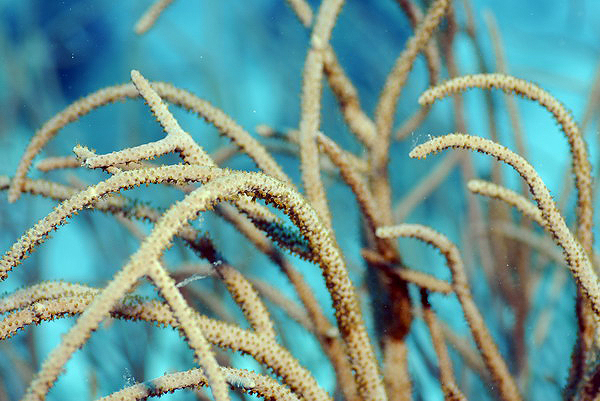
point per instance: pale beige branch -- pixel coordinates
(148, 19)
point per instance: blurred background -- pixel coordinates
(247, 59)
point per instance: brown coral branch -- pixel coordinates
(493, 360)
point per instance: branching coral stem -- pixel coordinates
(493, 360)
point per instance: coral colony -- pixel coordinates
(363, 329)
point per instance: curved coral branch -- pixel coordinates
(575, 256)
